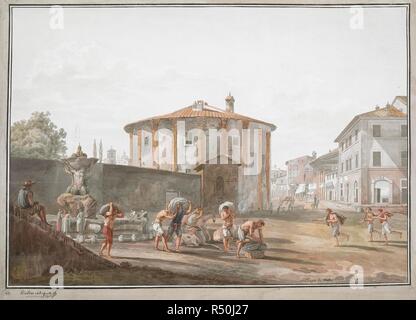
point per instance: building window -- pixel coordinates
(376, 159)
(356, 161)
(342, 167)
(355, 191)
(382, 191)
(356, 135)
(403, 156)
(341, 191)
(350, 140)
(376, 130)
(146, 141)
(347, 191)
(404, 130)
(348, 164)
(403, 191)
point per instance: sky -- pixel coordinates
(309, 71)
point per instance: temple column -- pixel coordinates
(244, 143)
(155, 156)
(223, 142)
(174, 146)
(260, 174)
(131, 148)
(139, 147)
(268, 136)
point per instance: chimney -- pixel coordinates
(229, 103)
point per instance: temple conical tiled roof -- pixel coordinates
(193, 111)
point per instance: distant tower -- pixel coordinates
(100, 151)
(111, 156)
(229, 103)
(124, 159)
(94, 149)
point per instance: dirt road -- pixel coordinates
(300, 251)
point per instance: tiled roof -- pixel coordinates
(327, 158)
(206, 111)
(387, 112)
(402, 99)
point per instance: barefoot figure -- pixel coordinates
(157, 227)
(176, 224)
(334, 221)
(227, 215)
(383, 217)
(246, 233)
(109, 218)
(369, 217)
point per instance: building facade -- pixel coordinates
(373, 156)
(279, 186)
(325, 175)
(300, 175)
(202, 134)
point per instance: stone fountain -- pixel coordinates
(78, 217)
(77, 195)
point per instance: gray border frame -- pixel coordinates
(399, 290)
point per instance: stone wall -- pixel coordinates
(148, 189)
(132, 187)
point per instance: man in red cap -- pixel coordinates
(25, 201)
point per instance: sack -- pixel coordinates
(226, 204)
(178, 200)
(105, 208)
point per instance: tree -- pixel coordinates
(37, 138)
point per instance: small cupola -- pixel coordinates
(198, 105)
(229, 103)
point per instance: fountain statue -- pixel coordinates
(77, 166)
(77, 196)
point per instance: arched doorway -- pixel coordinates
(382, 191)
